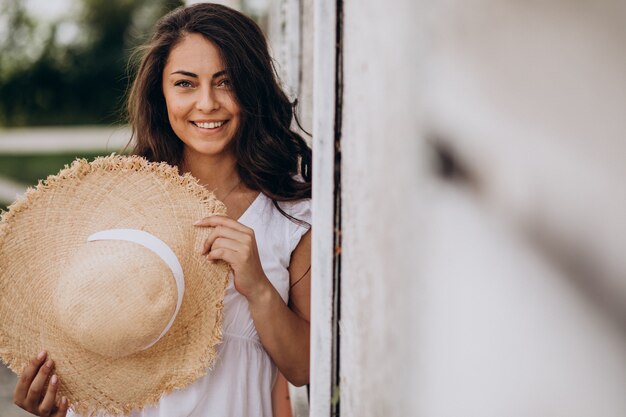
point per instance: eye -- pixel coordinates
(183, 83)
(224, 82)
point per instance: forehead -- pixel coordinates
(195, 53)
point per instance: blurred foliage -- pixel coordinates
(44, 81)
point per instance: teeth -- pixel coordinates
(209, 125)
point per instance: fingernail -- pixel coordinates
(197, 222)
(49, 363)
(41, 355)
(53, 380)
(63, 400)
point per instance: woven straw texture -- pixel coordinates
(42, 243)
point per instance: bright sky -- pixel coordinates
(53, 10)
(50, 10)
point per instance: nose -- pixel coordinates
(207, 102)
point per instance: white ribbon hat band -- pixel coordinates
(161, 249)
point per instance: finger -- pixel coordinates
(227, 233)
(223, 254)
(49, 401)
(223, 243)
(217, 220)
(26, 379)
(35, 392)
(62, 410)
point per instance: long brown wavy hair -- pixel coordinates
(271, 157)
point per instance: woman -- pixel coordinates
(206, 99)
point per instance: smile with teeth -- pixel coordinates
(209, 125)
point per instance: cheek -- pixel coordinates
(176, 117)
(229, 102)
(234, 108)
(178, 111)
(176, 107)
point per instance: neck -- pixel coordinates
(218, 174)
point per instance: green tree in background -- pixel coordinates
(81, 82)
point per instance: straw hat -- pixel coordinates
(101, 266)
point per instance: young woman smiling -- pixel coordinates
(206, 98)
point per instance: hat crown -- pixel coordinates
(114, 298)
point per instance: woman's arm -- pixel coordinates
(284, 331)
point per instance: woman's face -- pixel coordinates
(201, 104)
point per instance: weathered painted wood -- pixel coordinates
(305, 97)
(383, 159)
(323, 206)
(285, 40)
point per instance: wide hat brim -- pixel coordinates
(42, 230)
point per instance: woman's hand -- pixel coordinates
(235, 244)
(29, 392)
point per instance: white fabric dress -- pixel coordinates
(241, 381)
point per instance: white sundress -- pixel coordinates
(241, 381)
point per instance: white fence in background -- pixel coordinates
(61, 139)
(47, 140)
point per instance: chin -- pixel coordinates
(207, 149)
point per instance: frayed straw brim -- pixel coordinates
(41, 231)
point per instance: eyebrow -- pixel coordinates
(191, 74)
